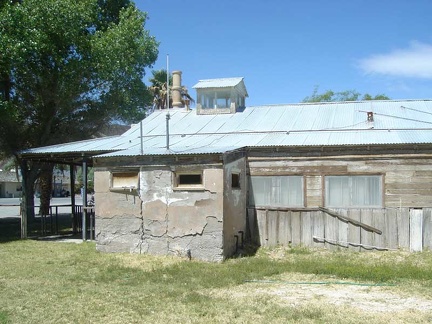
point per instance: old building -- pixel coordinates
(200, 182)
(10, 184)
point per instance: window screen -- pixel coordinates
(353, 191)
(276, 191)
(189, 179)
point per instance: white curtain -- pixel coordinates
(353, 191)
(276, 191)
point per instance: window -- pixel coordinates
(353, 191)
(124, 180)
(235, 180)
(189, 180)
(276, 191)
(215, 99)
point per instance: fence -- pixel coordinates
(354, 229)
(56, 218)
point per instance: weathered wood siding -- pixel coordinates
(407, 180)
(402, 228)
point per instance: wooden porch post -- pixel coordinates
(84, 200)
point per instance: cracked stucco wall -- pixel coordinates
(118, 220)
(234, 207)
(160, 219)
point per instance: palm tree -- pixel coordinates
(159, 90)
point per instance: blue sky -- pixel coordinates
(285, 48)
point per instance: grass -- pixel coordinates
(52, 282)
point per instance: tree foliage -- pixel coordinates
(347, 95)
(73, 66)
(68, 68)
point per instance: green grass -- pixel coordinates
(48, 282)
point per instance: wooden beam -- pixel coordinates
(350, 220)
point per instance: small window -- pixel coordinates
(276, 191)
(353, 191)
(124, 180)
(235, 180)
(189, 180)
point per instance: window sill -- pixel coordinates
(128, 190)
(188, 188)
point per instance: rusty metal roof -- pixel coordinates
(308, 124)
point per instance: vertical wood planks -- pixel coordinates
(379, 222)
(416, 230)
(284, 237)
(391, 231)
(296, 228)
(427, 228)
(366, 236)
(403, 228)
(306, 229)
(331, 231)
(342, 229)
(354, 230)
(318, 219)
(262, 227)
(272, 227)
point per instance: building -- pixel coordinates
(10, 184)
(201, 182)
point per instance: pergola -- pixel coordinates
(72, 158)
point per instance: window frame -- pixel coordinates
(273, 204)
(235, 183)
(350, 185)
(130, 180)
(177, 185)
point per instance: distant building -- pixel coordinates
(10, 185)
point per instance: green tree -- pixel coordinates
(71, 68)
(347, 95)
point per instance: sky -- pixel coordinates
(284, 49)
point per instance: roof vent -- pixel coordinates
(370, 117)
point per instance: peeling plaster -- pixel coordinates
(165, 221)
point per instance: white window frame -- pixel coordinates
(178, 185)
(371, 199)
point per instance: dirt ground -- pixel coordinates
(358, 302)
(372, 299)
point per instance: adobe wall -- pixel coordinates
(117, 217)
(161, 219)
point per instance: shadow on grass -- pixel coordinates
(248, 250)
(10, 228)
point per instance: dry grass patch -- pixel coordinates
(335, 301)
(45, 282)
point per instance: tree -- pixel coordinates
(159, 88)
(71, 68)
(347, 95)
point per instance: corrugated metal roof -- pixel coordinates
(318, 124)
(218, 83)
